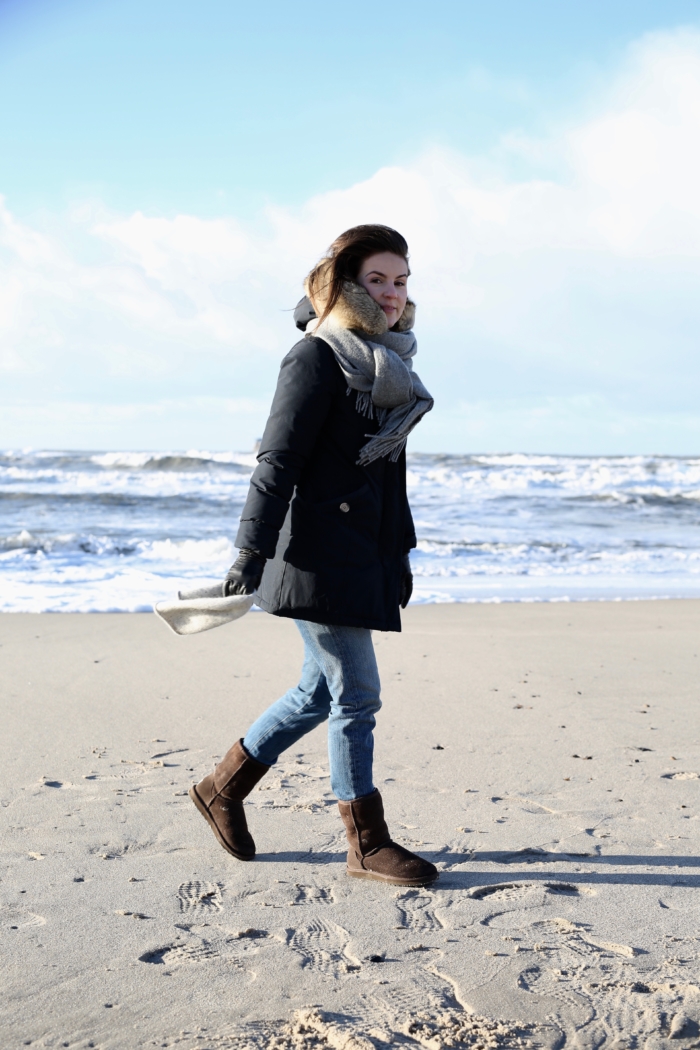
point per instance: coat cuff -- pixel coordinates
(257, 536)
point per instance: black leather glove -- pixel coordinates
(245, 574)
(406, 581)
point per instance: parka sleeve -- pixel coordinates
(409, 541)
(307, 382)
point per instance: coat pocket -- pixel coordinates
(335, 532)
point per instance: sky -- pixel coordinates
(170, 171)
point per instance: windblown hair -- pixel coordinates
(342, 262)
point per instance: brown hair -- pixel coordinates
(343, 260)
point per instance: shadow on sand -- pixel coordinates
(473, 876)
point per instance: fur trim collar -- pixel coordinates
(356, 309)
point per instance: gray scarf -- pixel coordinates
(380, 369)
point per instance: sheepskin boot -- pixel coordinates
(219, 798)
(372, 854)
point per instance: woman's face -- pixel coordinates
(385, 277)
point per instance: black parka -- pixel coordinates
(334, 532)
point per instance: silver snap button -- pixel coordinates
(345, 507)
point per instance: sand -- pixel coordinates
(545, 757)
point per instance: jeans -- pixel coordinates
(339, 682)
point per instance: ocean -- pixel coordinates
(117, 531)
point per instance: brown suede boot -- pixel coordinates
(372, 854)
(219, 798)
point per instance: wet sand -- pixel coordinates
(545, 757)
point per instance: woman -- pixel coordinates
(324, 538)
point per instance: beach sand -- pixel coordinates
(544, 756)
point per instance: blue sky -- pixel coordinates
(171, 170)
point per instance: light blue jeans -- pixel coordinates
(339, 682)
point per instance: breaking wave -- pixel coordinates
(97, 531)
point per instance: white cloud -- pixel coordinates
(639, 161)
(532, 293)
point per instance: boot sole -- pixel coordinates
(393, 882)
(205, 813)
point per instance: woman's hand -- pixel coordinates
(406, 582)
(245, 574)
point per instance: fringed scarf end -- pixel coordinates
(364, 404)
(401, 445)
(378, 448)
(366, 407)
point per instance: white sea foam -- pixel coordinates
(170, 460)
(198, 553)
(119, 530)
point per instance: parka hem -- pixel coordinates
(314, 617)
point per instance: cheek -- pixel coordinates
(375, 290)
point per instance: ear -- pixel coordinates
(407, 319)
(357, 309)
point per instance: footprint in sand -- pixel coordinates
(322, 946)
(313, 805)
(417, 991)
(559, 927)
(576, 937)
(177, 954)
(415, 911)
(568, 889)
(127, 774)
(513, 891)
(503, 891)
(312, 895)
(558, 934)
(680, 776)
(619, 1005)
(123, 849)
(16, 919)
(200, 896)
